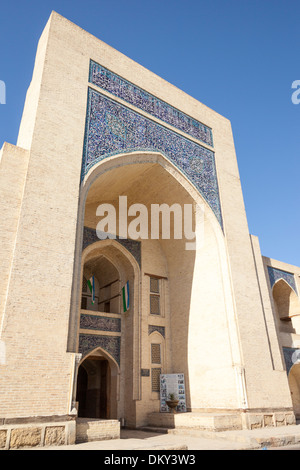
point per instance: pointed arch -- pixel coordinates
(294, 384)
(286, 300)
(98, 385)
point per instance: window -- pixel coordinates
(155, 354)
(154, 296)
(154, 285)
(155, 379)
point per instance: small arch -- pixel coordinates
(287, 306)
(154, 332)
(97, 385)
(102, 352)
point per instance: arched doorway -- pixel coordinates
(96, 391)
(93, 388)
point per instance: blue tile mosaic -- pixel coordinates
(94, 322)
(112, 128)
(111, 344)
(133, 246)
(160, 329)
(149, 103)
(288, 357)
(276, 274)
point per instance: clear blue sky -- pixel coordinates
(239, 57)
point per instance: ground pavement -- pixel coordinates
(179, 439)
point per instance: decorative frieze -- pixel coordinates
(147, 102)
(133, 246)
(160, 329)
(112, 128)
(110, 344)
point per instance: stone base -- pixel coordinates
(258, 420)
(88, 429)
(218, 421)
(207, 421)
(37, 434)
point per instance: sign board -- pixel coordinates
(172, 383)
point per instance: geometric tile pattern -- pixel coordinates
(111, 344)
(112, 128)
(160, 329)
(275, 274)
(149, 103)
(288, 357)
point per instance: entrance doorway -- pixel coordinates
(93, 388)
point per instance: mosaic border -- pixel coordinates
(288, 353)
(133, 246)
(112, 128)
(275, 274)
(136, 96)
(96, 322)
(159, 329)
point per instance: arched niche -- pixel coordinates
(287, 306)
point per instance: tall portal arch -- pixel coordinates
(198, 294)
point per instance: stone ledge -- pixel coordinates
(207, 421)
(217, 422)
(88, 429)
(28, 435)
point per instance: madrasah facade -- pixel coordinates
(99, 130)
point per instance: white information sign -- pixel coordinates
(172, 384)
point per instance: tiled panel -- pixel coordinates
(149, 103)
(112, 128)
(160, 329)
(133, 246)
(95, 322)
(291, 356)
(276, 274)
(111, 344)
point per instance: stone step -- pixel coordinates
(89, 429)
(206, 421)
